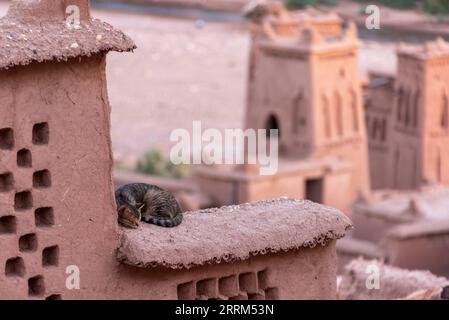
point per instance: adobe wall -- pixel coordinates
(370, 227)
(408, 113)
(426, 251)
(339, 124)
(241, 187)
(436, 121)
(275, 89)
(60, 187)
(303, 274)
(379, 120)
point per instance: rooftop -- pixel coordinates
(419, 229)
(430, 203)
(428, 50)
(233, 233)
(36, 31)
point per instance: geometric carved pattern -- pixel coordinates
(24, 222)
(244, 286)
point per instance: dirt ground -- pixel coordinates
(178, 74)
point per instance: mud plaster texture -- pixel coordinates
(78, 158)
(57, 207)
(395, 283)
(307, 273)
(36, 32)
(233, 233)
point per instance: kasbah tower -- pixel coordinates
(305, 82)
(420, 121)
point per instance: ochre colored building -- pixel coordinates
(414, 126)
(306, 85)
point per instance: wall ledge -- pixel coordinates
(233, 233)
(419, 229)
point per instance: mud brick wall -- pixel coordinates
(55, 177)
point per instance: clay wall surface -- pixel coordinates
(436, 121)
(223, 189)
(56, 186)
(406, 142)
(304, 274)
(371, 227)
(408, 247)
(338, 112)
(379, 104)
(276, 90)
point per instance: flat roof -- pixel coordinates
(233, 233)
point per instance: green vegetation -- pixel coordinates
(401, 4)
(431, 6)
(154, 163)
(437, 6)
(299, 4)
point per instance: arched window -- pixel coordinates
(339, 113)
(374, 129)
(326, 117)
(355, 113)
(272, 124)
(383, 136)
(298, 119)
(444, 113)
(399, 104)
(416, 109)
(407, 108)
(439, 165)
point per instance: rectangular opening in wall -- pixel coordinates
(42, 179)
(15, 267)
(36, 286)
(50, 256)
(41, 133)
(8, 225)
(314, 190)
(23, 200)
(248, 282)
(28, 242)
(229, 286)
(6, 138)
(44, 217)
(207, 288)
(24, 158)
(6, 182)
(187, 291)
